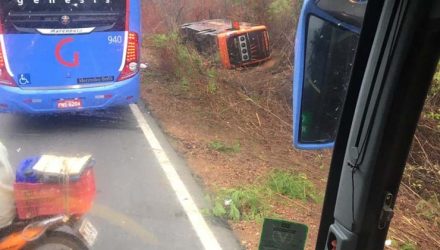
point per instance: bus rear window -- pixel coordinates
(28, 16)
(250, 46)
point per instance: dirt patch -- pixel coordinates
(251, 107)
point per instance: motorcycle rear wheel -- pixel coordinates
(56, 240)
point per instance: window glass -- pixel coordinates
(329, 59)
(28, 15)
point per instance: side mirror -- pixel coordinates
(325, 49)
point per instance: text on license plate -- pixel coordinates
(68, 104)
(88, 232)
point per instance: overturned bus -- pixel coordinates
(238, 44)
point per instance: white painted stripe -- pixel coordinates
(5, 56)
(199, 224)
(125, 51)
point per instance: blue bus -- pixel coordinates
(68, 55)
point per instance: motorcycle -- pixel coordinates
(50, 214)
(58, 232)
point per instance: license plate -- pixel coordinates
(69, 104)
(88, 232)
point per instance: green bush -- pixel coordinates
(435, 88)
(295, 186)
(437, 76)
(252, 202)
(280, 7)
(245, 203)
(164, 40)
(432, 106)
(212, 81)
(430, 209)
(407, 246)
(183, 63)
(433, 115)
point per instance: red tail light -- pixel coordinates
(131, 67)
(236, 25)
(5, 78)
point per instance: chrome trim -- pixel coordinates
(70, 31)
(69, 87)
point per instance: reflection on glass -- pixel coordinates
(328, 63)
(29, 16)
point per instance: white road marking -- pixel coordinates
(199, 224)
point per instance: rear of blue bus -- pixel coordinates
(68, 55)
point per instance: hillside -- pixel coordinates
(234, 129)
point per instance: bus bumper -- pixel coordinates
(17, 100)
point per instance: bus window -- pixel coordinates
(27, 16)
(239, 47)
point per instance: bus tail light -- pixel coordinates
(5, 78)
(131, 67)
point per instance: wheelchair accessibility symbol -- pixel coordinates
(24, 79)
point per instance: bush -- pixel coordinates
(182, 63)
(185, 61)
(245, 203)
(295, 186)
(280, 8)
(422, 173)
(407, 246)
(252, 202)
(430, 209)
(434, 92)
(212, 81)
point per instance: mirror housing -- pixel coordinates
(325, 48)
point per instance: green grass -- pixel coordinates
(244, 203)
(430, 209)
(407, 246)
(184, 84)
(212, 81)
(164, 40)
(225, 148)
(183, 64)
(177, 59)
(253, 202)
(437, 76)
(435, 88)
(294, 186)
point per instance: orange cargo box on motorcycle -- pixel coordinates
(66, 197)
(238, 44)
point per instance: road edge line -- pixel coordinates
(203, 231)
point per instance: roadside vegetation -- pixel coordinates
(225, 148)
(252, 202)
(422, 176)
(234, 127)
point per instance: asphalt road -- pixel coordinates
(136, 207)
